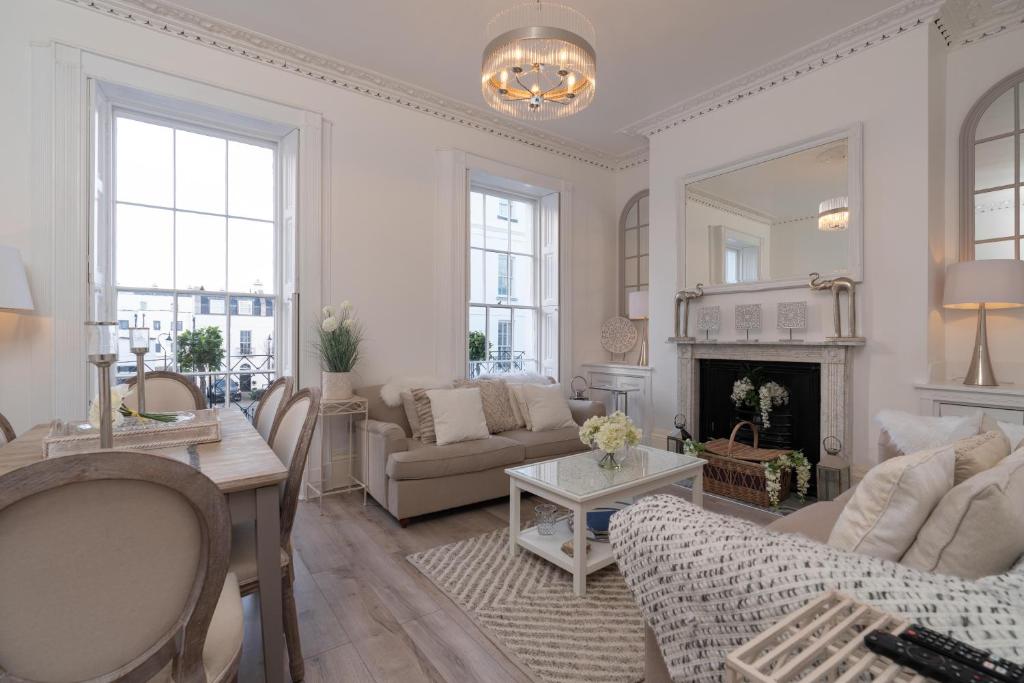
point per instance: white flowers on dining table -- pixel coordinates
(117, 395)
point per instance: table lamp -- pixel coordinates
(984, 285)
(638, 310)
(14, 292)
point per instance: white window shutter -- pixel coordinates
(102, 299)
(288, 317)
(549, 285)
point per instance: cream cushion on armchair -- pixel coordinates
(977, 529)
(893, 502)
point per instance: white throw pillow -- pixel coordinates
(977, 529)
(1015, 433)
(519, 409)
(912, 433)
(548, 407)
(892, 503)
(458, 415)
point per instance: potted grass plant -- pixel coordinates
(339, 335)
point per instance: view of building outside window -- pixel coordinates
(194, 244)
(503, 298)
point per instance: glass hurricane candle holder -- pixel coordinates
(138, 343)
(101, 340)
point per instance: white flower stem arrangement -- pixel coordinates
(119, 411)
(762, 396)
(774, 469)
(339, 335)
(610, 434)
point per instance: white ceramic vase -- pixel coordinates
(336, 386)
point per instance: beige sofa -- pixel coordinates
(410, 478)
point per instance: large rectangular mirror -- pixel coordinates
(767, 222)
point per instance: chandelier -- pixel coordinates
(834, 214)
(539, 63)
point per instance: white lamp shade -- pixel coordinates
(997, 283)
(638, 305)
(14, 292)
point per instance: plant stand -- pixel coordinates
(353, 409)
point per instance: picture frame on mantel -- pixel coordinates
(854, 135)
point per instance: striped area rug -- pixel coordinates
(528, 607)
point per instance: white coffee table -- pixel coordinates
(577, 483)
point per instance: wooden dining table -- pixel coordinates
(248, 472)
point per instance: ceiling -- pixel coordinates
(651, 53)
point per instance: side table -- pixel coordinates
(353, 409)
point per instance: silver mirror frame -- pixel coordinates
(854, 134)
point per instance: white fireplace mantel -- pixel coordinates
(834, 357)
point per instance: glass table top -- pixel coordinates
(579, 476)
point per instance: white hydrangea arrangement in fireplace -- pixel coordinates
(764, 397)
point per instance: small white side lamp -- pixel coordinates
(984, 285)
(14, 291)
(638, 310)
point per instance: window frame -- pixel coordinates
(185, 122)
(536, 305)
(968, 144)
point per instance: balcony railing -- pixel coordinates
(507, 366)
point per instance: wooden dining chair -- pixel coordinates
(276, 395)
(6, 431)
(289, 438)
(115, 568)
(167, 392)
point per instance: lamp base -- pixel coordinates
(980, 372)
(642, 358)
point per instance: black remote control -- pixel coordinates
(922, 660)
(997, 668)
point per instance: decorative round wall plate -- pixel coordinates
(618, 335)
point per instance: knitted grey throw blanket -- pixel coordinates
(708, 583)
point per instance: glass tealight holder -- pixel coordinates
(138, 339)
(546, 516)
(138, 343)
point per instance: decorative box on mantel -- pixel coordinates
(1003, 403)
(635, 379)
(834, 357)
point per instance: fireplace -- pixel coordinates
(795, 426)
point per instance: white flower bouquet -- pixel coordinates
(762, 396)
(610, 433)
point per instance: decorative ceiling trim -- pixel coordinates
(854, 39)
(202, 29)
(965, 22)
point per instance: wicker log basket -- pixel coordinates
(736, 470)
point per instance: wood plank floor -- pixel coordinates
(367, 615)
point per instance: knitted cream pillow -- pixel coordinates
(892, 502)
(976, 454)
(977, 529)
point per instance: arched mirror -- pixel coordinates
(634, 240)
(991, 156)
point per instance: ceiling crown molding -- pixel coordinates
(964, 22)
(712, 201)
(199, 28)
(873, 31)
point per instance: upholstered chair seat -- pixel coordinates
(243, 554)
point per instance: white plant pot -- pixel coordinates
(336, 386)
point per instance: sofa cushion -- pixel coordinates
(892, 502)
(497, 403)
(548, 444)
(977, 529)
(975, 454)
(814, 521)
(429, 461)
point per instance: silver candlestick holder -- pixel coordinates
(102, 346)
(138, 343)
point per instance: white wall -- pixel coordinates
(798, 248)
(382, 198)
(970, 73)
(887, 89)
